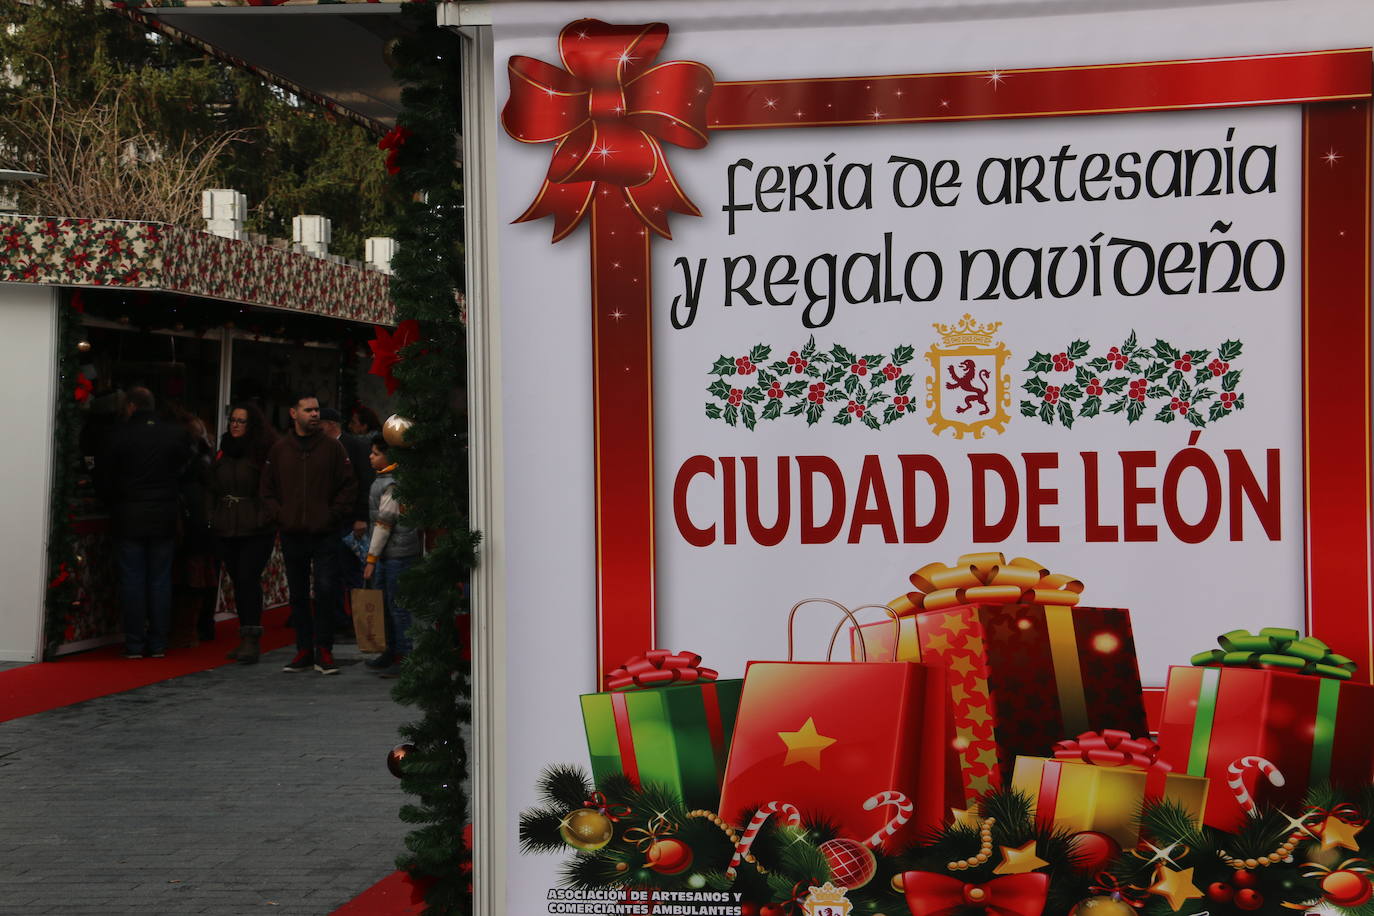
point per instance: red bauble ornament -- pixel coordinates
(394, 758)
(668, 856)
(748, 908)
(1347, 888)
(1247, 898)
(1091, 851)
(1220, 892)
(851, 863)
(1244, 879)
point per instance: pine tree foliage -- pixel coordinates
(432, 472)
(286, 156)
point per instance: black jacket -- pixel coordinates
(140, 472)
(358, 452)
(236, 509)
(308, 485)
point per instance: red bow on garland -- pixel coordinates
(386, 350)
(392, 143)
(608, 111)
(932, 894)
(84, 387)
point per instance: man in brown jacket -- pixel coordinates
(308, 489)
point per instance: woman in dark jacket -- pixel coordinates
(238, 520)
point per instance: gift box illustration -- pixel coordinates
(1101, 781)
(1275, 695)
(1028, 664)
(827, 736)
(666, 721)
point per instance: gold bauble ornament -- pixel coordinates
(83, 346)
(394, 431)
(1102, 906)
(586, 829)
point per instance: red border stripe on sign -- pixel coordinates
(1269, 79)
(1335, 379)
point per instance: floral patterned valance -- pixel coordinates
(137, 255)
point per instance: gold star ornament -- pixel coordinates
(1019, 860)
(1176, 887)
(805, 745)
(1336, 832)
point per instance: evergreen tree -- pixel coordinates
(287, 156)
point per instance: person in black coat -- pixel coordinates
(239, 520)
(331, 422)
(139, 473)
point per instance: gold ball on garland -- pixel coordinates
(83, 346)
(1347, 888)
(668, 856)
(1102, 906)
(394, 431)
(586, 829)
(393, 759)
(851, 863)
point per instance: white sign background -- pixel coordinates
(729, 602)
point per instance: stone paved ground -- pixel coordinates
(234, 791)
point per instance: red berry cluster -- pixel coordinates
(1116, 358)
(1184, 363)
(775, 390)
(1228, 399)
(1178, 404)
(855, 408)
(1052, 394)
(1136, 391)
(736, 397)
(1094, 388)
(816, 393)
(1218, 367)
(745, 366)
(902, 402)
(892, 371)
(1239, 891)
(1062, 363)
(860, 368)
(796, 362)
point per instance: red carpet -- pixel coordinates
(100, 672)
(388, 897)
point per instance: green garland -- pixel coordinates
(63, 592)
(432, 472)
(791, 859)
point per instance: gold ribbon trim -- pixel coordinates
(986, 578)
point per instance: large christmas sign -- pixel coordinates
(945, 405)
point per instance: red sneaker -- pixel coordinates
(324, 662)
(301, 662)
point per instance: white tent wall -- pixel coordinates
(28, 374)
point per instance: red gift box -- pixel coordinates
(828, 736)
(1314, 729)
(1027, 664)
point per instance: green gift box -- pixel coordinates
(676, 736)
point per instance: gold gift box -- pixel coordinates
(1108, 799)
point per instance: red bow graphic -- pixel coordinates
(931, 894)
(608, 110)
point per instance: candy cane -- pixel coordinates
(1237, 781)
(755, 825)
(904, 808)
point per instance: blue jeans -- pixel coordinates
(302, 553)
(145, 591)
(387, 577)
